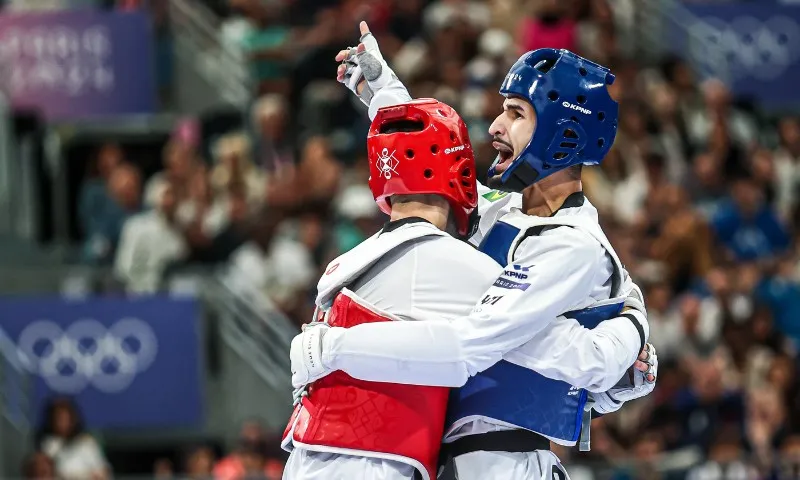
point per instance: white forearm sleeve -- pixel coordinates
(392, 94)
(594, 359)
(380, 352)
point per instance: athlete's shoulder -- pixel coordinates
(574, 244)
(456, 257)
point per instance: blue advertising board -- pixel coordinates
(755, 46)
(126, 362)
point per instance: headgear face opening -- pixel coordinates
(576, 118)
(422, 147)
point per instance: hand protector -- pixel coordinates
(306, 355)
(365, 62)
(633, 385)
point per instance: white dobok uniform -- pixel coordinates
(404, 280)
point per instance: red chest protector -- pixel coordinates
(373, 419)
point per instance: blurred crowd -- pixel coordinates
(699, 196)
(65, 450)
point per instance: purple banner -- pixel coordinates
(78, 64)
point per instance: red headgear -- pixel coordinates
(430, 154)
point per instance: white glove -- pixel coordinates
(365, 62)
(306, 355)
(639, 381)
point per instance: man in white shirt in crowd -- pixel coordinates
(149, 243)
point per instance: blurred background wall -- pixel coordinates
(175, 174)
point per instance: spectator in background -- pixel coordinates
(787, 165)
(671, 136)
(150, 242)
(781, 294)
(547, 26)
(359, 216)
(747, 226)
(38, 466)
(706, 184)
(202, 214)
(235, 171)
(198, 463)
(789, 464)
(123, 201)
(249, 461)
(725, 460)
(472, 14)
(76, 454)
(162, 469)
(270, 116)
(180, 160)
(259, 38)
(94, 195)
(706, 404)
(319, 170)
(718, 109)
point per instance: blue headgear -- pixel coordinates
(576, 118)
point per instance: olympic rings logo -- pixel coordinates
(748, 46)
(88, 353)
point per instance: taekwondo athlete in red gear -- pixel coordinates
(346, 428)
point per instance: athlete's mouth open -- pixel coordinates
(505, 154)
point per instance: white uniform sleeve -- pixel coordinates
(594, 359)
(394, 93)
(556, 274)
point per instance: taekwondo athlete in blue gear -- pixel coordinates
(558, 263)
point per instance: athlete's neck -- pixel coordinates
(430, 207)
(543, 199)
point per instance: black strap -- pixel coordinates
(638, 326)
(503, 441)
(395, 224)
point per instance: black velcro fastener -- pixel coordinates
(503, 441)
(639, 328)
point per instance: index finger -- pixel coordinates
(363, 27)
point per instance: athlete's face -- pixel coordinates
(512, 131)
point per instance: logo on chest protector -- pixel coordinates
(510, 273)
(510, 284)
(573, 391)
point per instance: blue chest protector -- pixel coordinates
(516, 395)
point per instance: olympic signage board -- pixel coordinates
(127, 362)
(78, 64)
(756, 45)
